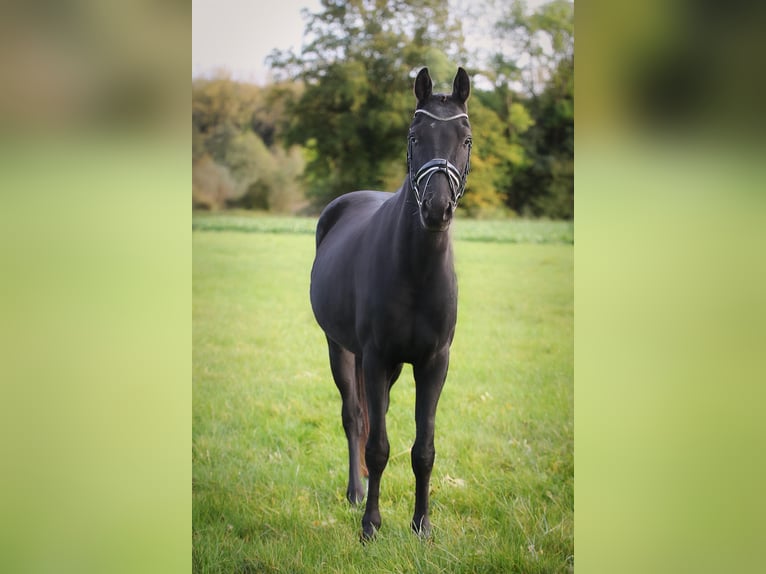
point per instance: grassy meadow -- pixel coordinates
(269, 453)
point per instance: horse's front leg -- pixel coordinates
(376, 379)
(429, 380)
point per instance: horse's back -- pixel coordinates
(348, 212)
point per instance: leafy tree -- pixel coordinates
(336, 119)
(222, 108)
(545, 186)
(538, 73)
(212, 184)
(232, 165)
(357, 101)
(497, 150)
(535, 43)
(250, 163)
(500, 119)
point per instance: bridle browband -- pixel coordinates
(447, 119)
(455, 179)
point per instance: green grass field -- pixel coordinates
(269, 453)
(491, 231)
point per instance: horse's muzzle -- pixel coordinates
(436, 213)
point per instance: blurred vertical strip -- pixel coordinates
(95, 261)
(670, 281)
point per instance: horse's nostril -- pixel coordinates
(447, 212)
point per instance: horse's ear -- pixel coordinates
(461, 87)
(423, 85)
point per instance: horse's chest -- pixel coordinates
(415, 322)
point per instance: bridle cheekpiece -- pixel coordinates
(456, 179)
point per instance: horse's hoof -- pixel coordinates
(370, 526)
(355, 497)
(421, 526)
(367, 534)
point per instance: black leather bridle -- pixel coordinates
(456, 179)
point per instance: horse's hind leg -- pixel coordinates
(343, 366)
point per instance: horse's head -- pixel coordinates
(439, 149)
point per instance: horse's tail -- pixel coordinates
(361, 395)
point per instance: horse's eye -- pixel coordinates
(413, 140)
(468, 142)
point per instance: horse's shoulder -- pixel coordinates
(357, 203)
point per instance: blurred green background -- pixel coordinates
(95, 371)
(332, 116)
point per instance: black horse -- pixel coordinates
(383, 289)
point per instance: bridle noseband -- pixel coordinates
(456, 179)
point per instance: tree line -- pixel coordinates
(334, 118)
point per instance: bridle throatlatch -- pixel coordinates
(455, 178)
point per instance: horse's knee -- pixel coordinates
(376, 455)
(352, 418)
(423, 457)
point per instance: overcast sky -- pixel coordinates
(237, 35)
